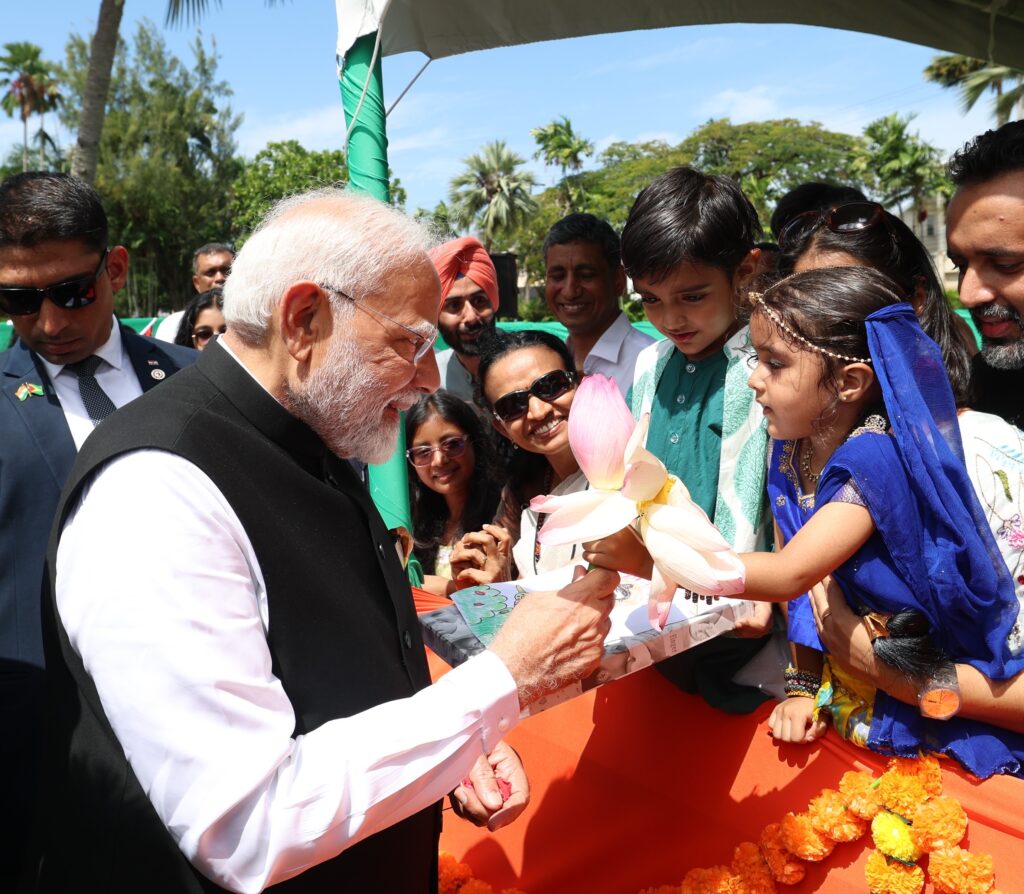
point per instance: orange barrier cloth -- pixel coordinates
(635, 783)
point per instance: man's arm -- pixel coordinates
(169, 618)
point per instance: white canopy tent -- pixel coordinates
(438, 28)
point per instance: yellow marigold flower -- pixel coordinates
(901, 794)
(891, 835)
(784, 868)
(830, 816)
(716, 880)
(452, 874)
(953, 870)
(475, 886)
(939, 823)
(926, 768)
(857, 787)
(889, 877)
(802, 839)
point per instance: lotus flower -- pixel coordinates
(630, 484)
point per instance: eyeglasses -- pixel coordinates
(849, 218)
(420, 343)
(72, 294)
(204, 333)
(548, 388)
(449, 447)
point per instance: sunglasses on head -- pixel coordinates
(449, 447)
(17, 301)
(848, 218)
(548, 388)
(204, 333)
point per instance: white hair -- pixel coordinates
(336, 238)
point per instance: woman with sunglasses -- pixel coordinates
(527, 381)
(454, 488)
(203, 319)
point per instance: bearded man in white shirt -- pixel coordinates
(584, 280)
(249, 706)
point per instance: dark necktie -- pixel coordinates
(97, 404)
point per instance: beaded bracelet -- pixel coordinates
(801, 683)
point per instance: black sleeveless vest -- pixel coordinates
(343, 636)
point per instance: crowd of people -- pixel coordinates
(223, 684)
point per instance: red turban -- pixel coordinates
(468, 257)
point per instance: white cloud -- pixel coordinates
(679, 56)
(315, 129)
(753, 104)
(418, 140)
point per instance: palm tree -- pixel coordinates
(492, 192)
(97, 81)
(560, 146)
(975, 77)
(31, 87)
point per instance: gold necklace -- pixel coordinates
(805, 465)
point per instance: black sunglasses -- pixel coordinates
(204, 333)
(17, 301)
(848, 218)
(424, 454)
(548, 388)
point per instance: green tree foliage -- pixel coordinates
(279, 170)
(440, 220)
(493, 193)
(560, 146)
(974, 78)
(899, 166)
(30, 88)
(166, 163)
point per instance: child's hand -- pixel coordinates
(481, 557)
(623, 551)
(793, 721)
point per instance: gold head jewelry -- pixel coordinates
(757, 299)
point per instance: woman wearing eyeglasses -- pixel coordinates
(527, 381)
(454, 488)
(203, 319)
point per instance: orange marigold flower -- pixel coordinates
(452, 874)
(891, 877)
(802, 839)
(939, 823)
(750, 867)
(926, 768)
(716, 880)
(475, 886)
(953, 870)
(901, 794)
(785, 869)
(857, 787)
(830, 816)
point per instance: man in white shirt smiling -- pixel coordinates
(584, 281)
(251, 707)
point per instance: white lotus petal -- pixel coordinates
(593, 515)
(638, 438)
(659, 600)
(687, 524)
(683, 564)
(644, 480)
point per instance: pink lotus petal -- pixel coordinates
(600, 426)
(638, 438)
(644, 480)
(687, 524)
(659, 600)
(588, 515)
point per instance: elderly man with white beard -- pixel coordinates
(239, 694)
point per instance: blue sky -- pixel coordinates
(634, 86)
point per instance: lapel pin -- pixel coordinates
(158, 374)
(27, 390)
(153, 362)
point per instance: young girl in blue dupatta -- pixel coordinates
(867, 483)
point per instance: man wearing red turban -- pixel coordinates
(469, 300)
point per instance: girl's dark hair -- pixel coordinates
(892, 249)
(685, 215)
(429, 510)
(209, 298)
(829, 307)
(524, 468)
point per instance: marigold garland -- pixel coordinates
(939, 823)
(833, 818)
(956, 871)
(891, 834)
(861, 795)
(887, 876)
(802, 840)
